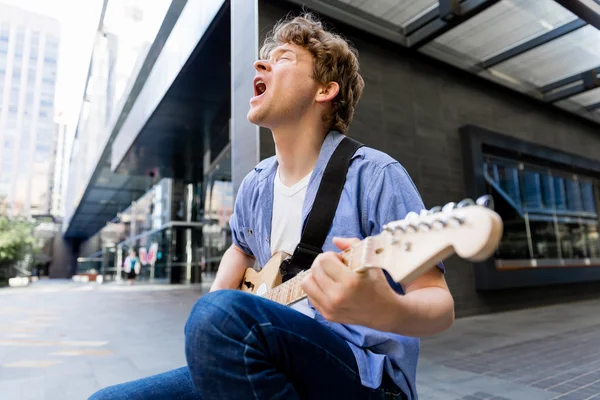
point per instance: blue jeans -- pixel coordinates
(241, 346)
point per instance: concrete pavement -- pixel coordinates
(62, 340)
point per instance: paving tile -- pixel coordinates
(537, 354)
(483, 395)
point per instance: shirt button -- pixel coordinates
(267, 239)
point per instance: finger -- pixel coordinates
(332, 266)
(344, 243)
(313, 291)
(325, 281)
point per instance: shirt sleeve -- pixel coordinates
(236, 221)
(391, 196)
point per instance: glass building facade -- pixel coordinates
(29, 47)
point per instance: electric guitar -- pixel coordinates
(405, 249)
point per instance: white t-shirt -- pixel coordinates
(286, 224)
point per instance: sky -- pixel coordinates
(79, 21)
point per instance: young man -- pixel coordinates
(357, 335)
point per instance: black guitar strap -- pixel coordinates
(323, 209)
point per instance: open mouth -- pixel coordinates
(259, 87)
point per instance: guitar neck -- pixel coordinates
(408, 248)
(291, 292)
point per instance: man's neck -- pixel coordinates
(297, 149)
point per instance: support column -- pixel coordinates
(245, 140)
(119, 263)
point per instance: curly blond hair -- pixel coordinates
(335, 60)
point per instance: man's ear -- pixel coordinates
(327, 92)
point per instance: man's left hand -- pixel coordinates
(341, 295)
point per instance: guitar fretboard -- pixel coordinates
(291, 291)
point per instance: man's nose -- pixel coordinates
(262, 65)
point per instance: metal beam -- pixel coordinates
(450, 19)
(533, 43)
(449, 9)
(421, 21)
(593, 107)
(356, 18)
(587, 10)
(579, 83)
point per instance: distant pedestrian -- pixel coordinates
(132, 266)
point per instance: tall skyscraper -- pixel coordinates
(29, 47)
(60, 167)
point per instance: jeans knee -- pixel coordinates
(105, 394)
(215, 316)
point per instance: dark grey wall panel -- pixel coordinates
(413, 107)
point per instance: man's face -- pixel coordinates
(283, 87)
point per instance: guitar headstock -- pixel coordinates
(409, 247)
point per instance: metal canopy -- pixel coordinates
(546, 49)
(106, 195)
(194, 109)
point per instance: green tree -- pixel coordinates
(16, 242)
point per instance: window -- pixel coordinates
(549, 213)
(42, 153)
(5, 175)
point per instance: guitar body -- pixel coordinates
(269, 277)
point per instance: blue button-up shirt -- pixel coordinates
(377, 190)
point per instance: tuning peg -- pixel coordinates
(425, 224)
(414, 226)
(486, 201)
(458, 219)
(411, 216)
(441, 221)
(399, 228)
(449, 207)
(465, 203)
(435, 210)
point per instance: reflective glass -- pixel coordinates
(503, 26)
(571, 54)
(572, 240)
(593, 241)
(132, 26)
(397, 12)
(543, 238)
